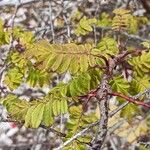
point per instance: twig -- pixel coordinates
(68, 28)
(27, 145)
(130, 99)
(51, 21)
(130, 36)
(135, 37)
(12, 25)
(112, 142)
(145, 143)
(19, 2)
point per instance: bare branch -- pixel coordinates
(16, 2)
(51, 21)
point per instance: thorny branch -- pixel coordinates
(51, 22)
(103, 98)
(111, 114)
(129, 99)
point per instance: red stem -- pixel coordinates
(129, 99)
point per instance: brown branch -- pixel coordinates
(103, 98)
(130, 99)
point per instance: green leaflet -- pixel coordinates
(56, 105)
(35, 112)
(76, 123)
(28, 117)
(146, 44)
(84, 63)
(61, 58)
(105, 20)
(65, 65)
(141, 64)
(92, 60)
(9, 100)
(17, 108)
(133, 24)
(18, 112)
(139, 84)
(65, 57)
(49, 61)
(64, 106)
(26, 38)
(73, 88)
(84, 83)
(95, 75)
(37, 115)
(119, 84)
(47, 115)
(37, 77)
(75, 111)
(13, 78)
(74, 65)
(18, 60)
(57, 62)
(85, 26)
(4, 37)
(76, 145)
(122, 20)
(79, 85)
(107, 46)
(129, 111)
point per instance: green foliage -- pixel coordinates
(65, 57)
(13, 78)
(48, 114)
(146, 44)
(139, 84)
(18, 60)
(84, 82)
(85, 26)
(80, 84)
(33, 113)
(119, 84)
(36, 112)
(3, 35)
(124, 21)
(16, 108)
(129, 111)
(141, 64)
(39, 60)
(76, 123)
(108, 46)
(37, 77)
(78, 120)
(26, 39)
(105, 20)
